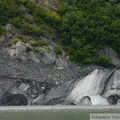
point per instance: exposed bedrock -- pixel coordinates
(113, 99)
(50, 84)
(9, 99)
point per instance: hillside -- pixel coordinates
(28, 31)
(86, 30)
(31, 59)
(48, 46)
(83, 32)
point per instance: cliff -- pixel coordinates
(38, 67)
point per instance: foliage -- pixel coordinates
(21, 37)
(58, 50)
(85, 29)
(1, 30)
(41, 16)
(104, 61)
(39, 43)
(15, 41)
(14, 11)
(8, 10)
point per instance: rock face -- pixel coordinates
(113, 55)
(35, 74)
(33, 83)
(9, 99)
(113, 99)
(39, 83)
(34, 80)
(39, 76)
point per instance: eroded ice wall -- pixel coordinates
(92, 84)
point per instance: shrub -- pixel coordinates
(39, 31)
(58, 50)
(103, 60)
(21, 36)
(23, 2)
(43, 43)
(15, 41)
(9, 10)
(84, 30)
(39, 43)
(16, 22)
(1, 30)
(30, 20)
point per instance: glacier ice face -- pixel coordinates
(94, 100)
(113, 85)
(98, 85)
(98, 100)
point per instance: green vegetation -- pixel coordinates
(84, 26)
(58, 50)
(22, 37)
(87, 26)
(34, 23)
(9, 10)
(1, 30)
(15, 41)
(39, 43)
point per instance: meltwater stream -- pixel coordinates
(53, 112)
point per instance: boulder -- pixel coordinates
(113, 55)
(9, 27)
(9, 99)
(22, 51)
(113, 99)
